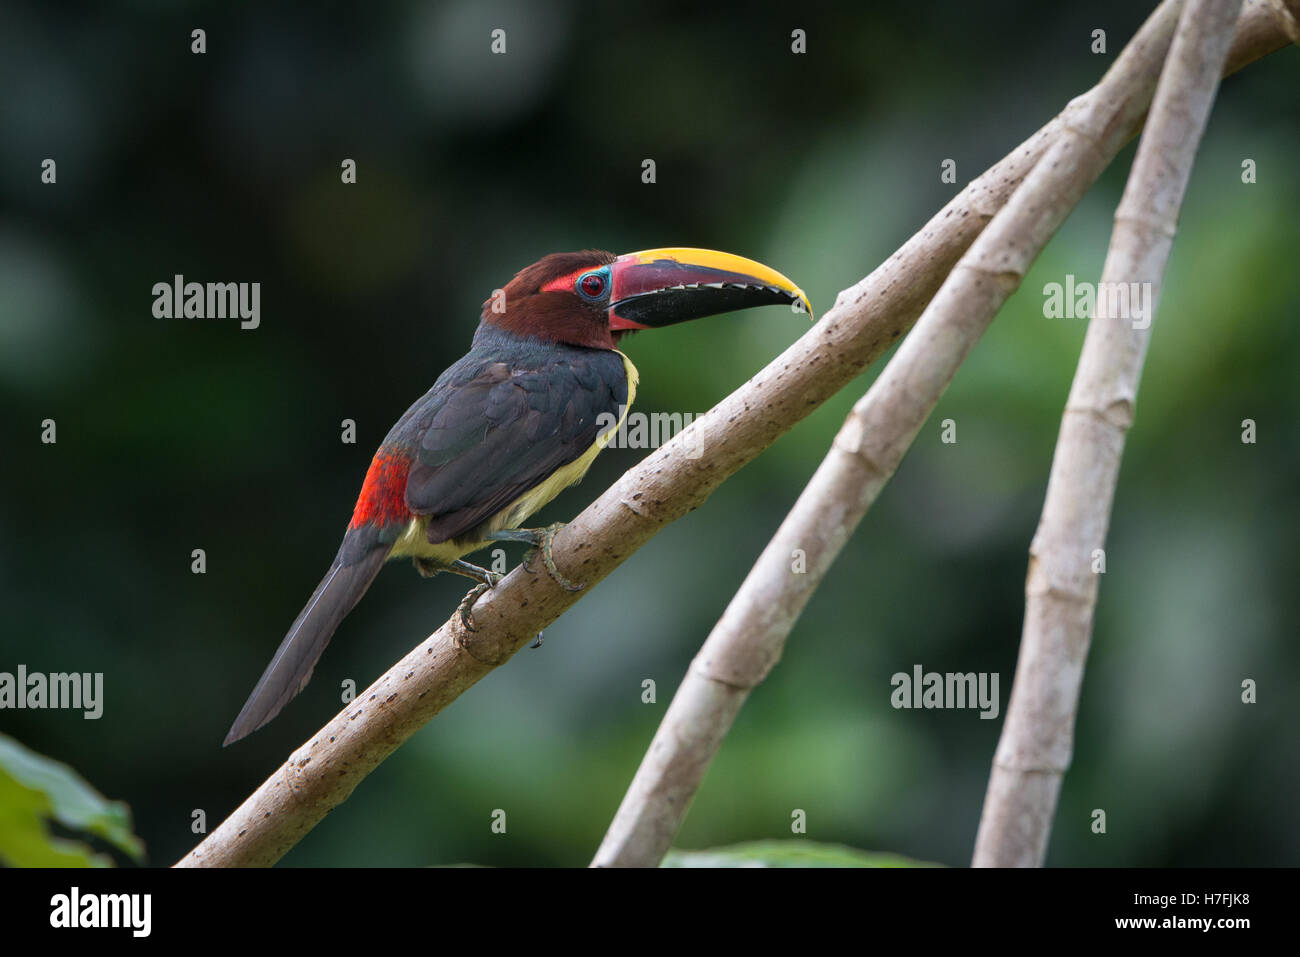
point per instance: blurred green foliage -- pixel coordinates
(176, 435)
(35, 792)
(788, 853)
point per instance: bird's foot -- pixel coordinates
(470, 570)
(540, 539)
(475, 593)
(545, 536)
(466, 603)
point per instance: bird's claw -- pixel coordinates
(475, 593)
(546, 536)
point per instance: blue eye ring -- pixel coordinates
(593, 286)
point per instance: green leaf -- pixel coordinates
(35, 790)
(793, 853)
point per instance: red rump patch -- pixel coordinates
(383, 495)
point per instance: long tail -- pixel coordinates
(291, 668)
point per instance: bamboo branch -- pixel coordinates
(667, 484)
(1061, 588)
(749, 638)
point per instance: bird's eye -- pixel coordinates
(592, 285)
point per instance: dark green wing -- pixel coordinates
(480, 444)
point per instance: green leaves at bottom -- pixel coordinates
(35, 790)
(791, 853)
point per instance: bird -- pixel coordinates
(506, 428)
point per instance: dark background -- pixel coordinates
(175, 434)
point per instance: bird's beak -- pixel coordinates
(659, 287)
